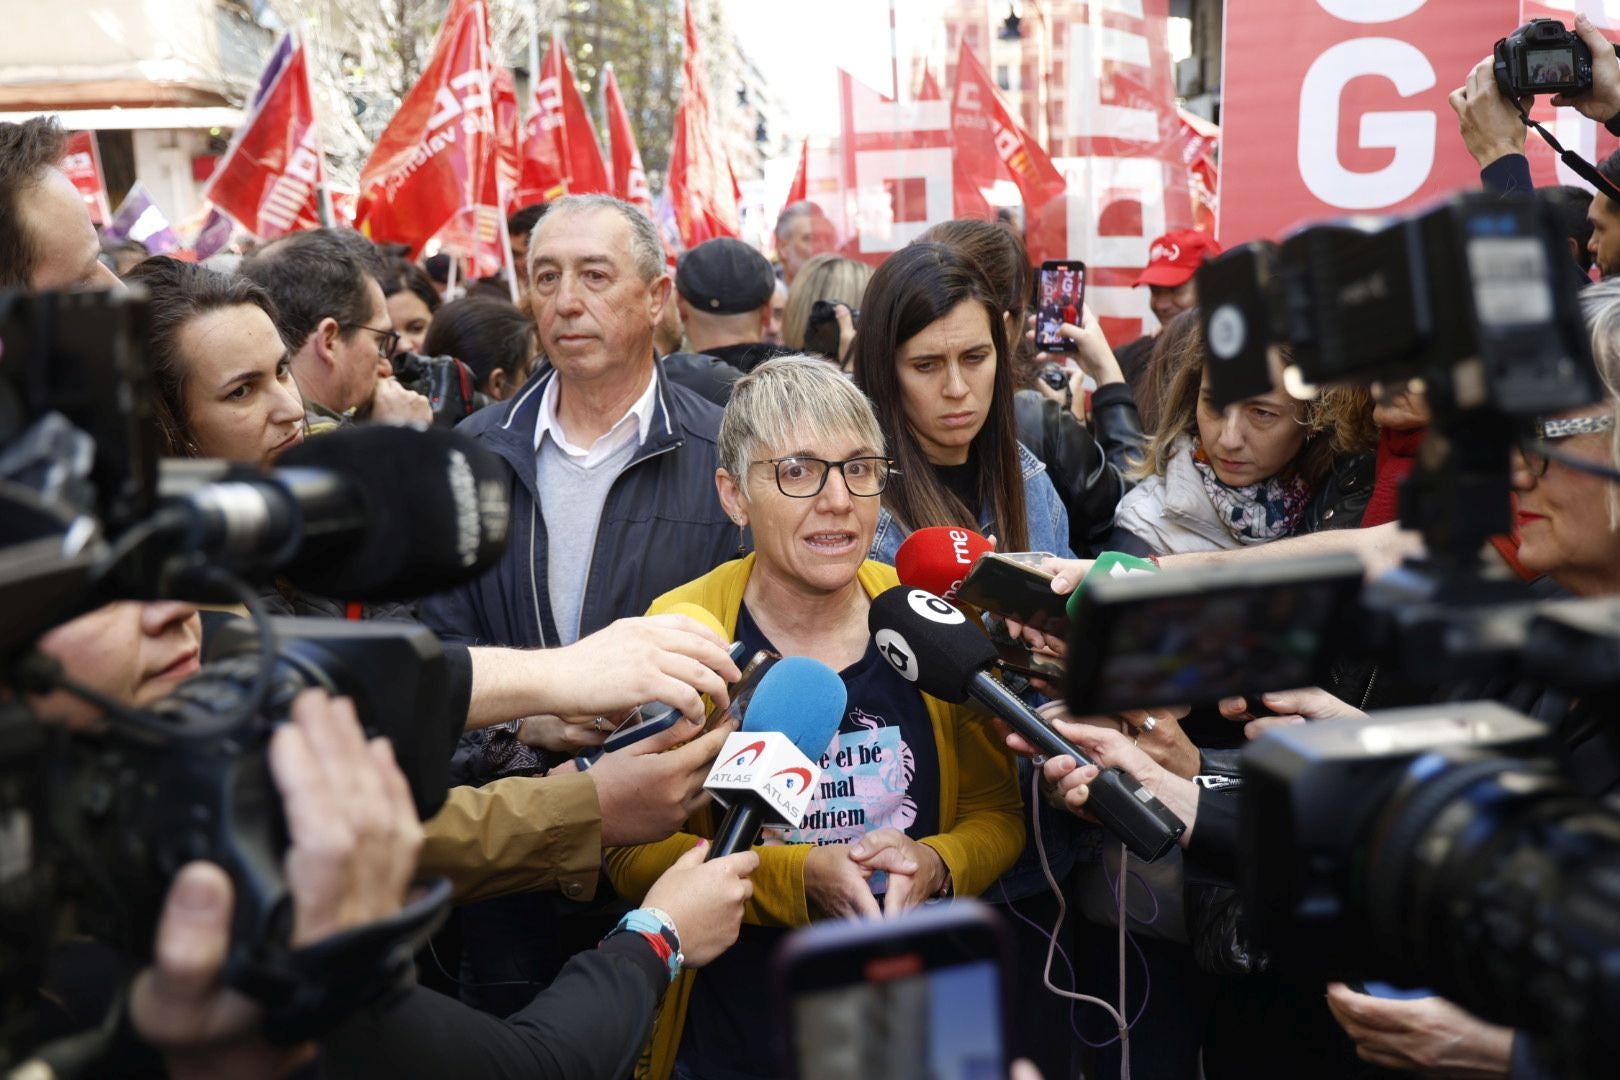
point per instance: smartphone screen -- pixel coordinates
(1016, 590)
(920, 996)
(1060, 295)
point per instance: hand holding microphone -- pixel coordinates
(932, 644)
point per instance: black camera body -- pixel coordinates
(821, 329)
(1542, 57)
(446, 382)
(1054, 376)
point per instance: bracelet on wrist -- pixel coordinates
(658, 929)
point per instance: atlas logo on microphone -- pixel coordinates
(793, 779)
(747, 756)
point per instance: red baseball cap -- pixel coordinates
(1175, 257)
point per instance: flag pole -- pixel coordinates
(323, 193)
(506, 257)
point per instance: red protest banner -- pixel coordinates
(269, 178)
(508, 137)
(629, 178)
(1333, 107)
(81, 161)
(433, 173)
(896, 170)
(703, 192)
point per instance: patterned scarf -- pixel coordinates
(1258, 513)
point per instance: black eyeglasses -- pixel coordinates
(387, 340)
(1540, 432)
(804, 477)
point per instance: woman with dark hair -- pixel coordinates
(1084, 463)
(491, 337)
(223, 373)
(933, 356)
(412, 301)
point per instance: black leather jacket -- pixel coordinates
(1086, 470)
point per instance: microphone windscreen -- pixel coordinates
(435, 506)
(928, 641)
(938, 558)
(699, 614)
(803, 699)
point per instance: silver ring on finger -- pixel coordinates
(596, 725)
(1149, 724)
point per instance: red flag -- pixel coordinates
(702, 189)
(433, 172)
(895, 171)
(629, 178)
(930, 87)
(986, 133)
(268, 179)
(560, 152)
(81, 161)
(799, 190)
(508, 137)
(1199, 140)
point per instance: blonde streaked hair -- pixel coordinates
(789, 398)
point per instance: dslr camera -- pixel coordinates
(1542, 57)
(446, 382)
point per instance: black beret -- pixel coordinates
(725, 277)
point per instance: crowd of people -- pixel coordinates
(759, 440)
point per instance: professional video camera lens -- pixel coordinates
(1491, 880)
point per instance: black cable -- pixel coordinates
(1577, 164)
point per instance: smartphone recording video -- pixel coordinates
(918, 996)
(1060, 296)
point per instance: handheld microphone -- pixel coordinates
(1110, 564)
(932, 644)
(767, 772)
(938, 558)
(366, 513)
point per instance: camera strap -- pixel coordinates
(1577, 164)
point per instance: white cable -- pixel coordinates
(1118, 1014)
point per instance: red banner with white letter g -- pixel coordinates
(1336, 107)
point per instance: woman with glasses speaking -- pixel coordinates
(916, 800)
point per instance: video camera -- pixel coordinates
(1448, 846)
(93, 825)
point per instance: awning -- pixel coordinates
(201, 117)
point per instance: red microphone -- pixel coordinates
(938, 558)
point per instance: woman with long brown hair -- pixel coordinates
(933, 356)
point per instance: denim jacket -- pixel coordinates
(1048, 520)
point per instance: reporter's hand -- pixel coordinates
(916, 871)
(1093, 353)
(565, 734)
(1602, 101)
(391, 403)
(1291, 707)
(354, 840)
(1164, 740)
(668, 658)
(647, 791)
(705, 899)
(836, 884)
(1428, 1036)
(1107, 748)
(1491, 127)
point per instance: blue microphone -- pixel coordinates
(800, 699)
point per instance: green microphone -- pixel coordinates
(1110, 564)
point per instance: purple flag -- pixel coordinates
(138, 218)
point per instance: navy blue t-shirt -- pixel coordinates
(882, 770)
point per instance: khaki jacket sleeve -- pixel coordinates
(521, 834)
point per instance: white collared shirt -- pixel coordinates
(634, 424)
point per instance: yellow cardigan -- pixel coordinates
(980, 812)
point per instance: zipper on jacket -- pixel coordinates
(534, 586)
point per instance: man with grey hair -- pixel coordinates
(611, 481)
(802, 230)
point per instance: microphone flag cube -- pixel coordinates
(767, 764)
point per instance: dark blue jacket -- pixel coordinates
(661, 526)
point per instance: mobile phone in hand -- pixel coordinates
(1060, 297)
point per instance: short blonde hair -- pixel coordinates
(788, 397)
(832, 278)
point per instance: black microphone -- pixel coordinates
(373, 512)
(932, 644)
